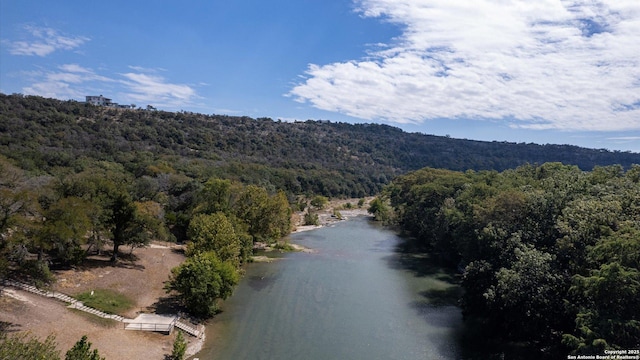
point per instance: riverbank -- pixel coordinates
(346, 208)
(140, 276)
(334, 212)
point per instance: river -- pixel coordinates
(359, 296)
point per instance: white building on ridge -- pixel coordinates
(103, 101)
(99, 100)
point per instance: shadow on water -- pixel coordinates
(409, 255)
(261, 282)
(443, 295)
(440, 298)
(449, 296)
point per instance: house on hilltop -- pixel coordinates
(103, 101)
(98, 100)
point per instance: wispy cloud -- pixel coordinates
(143, 69)
(44, 41)
(75, 81)
(552, 64)
(67, 81)
(625, 138)
(155, 89)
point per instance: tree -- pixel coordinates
(124, 221)
(201, 280)
(81, 350)
(528, 292)
(607, 314)
(278, 215)
(216, 196)
(380, 210)
(319, 201)
(548, 246)
(311, 219)
(25, 346)
(268, 217)
(65, 227)
(179, 347)
(13, 206)
(251, 207)
(214, 233)
(131, 223)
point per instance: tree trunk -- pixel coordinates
(114, 256)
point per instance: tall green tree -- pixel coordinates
(216, 196)
(179, 347)
(120, 219)
(214, 233)
(201, 280)
(268, 217)
(65, 228)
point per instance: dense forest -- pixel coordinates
(310, 157)
(549, 255)
(543, 235)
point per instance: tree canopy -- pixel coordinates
(551, 246)
(202, 279)
(303, 157)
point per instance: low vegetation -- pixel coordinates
(106, 300)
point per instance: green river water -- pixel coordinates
(359, 296)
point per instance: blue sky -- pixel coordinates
(547, 71)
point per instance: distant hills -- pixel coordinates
(321, 157)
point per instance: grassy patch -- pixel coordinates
(106, 300)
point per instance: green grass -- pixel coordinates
(105, 300)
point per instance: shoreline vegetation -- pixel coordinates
(326, 217)
(140, 276)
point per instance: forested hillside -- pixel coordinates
(332, 159)
(549, 255)
(551, 246)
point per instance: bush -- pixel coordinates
(311, 219)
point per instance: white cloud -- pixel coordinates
(68, 81)
(155, 90)
(73, 81)
(44, 41)
(547, 64)
(625, 138)
(143, 69)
